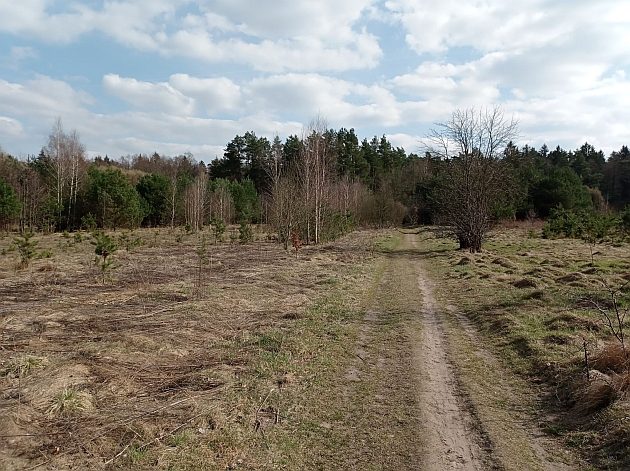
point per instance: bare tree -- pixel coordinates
(66, 154)
(195, 201)
(315, 170)
(57, 151)
(287, 207)
(77, 166)
(171, 170)
(221, 203)
(471, 143)
(274, 165)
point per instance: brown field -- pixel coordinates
(252, 358)
(139, 370)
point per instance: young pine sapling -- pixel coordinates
(218, 229)
(104, 248)
(26, 248)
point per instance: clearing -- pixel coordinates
(365, 353)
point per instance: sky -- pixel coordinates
(175, 76)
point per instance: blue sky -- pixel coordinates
(177, 76)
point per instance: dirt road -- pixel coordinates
(454, 439)
(458, 421)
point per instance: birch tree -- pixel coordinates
(57, 152)
(195, 201)
(316, 170)
(67, 167)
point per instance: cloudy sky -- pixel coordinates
(179, 76)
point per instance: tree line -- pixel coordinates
(318, 185)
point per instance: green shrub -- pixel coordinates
(624, 220)
(129, 241)
(591, 226)
(88, 222)
(104, 248)
(245, 233)
(218, 228)
(26, 248)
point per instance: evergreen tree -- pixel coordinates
(9, 203)
(112, 200)
(154, 189)
(561, 187)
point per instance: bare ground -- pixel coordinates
(454, 438)
(166, 364)
(343, 358)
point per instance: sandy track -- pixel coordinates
(453, 440)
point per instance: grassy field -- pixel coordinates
(185, 354)
(531, 301)
(176, 360)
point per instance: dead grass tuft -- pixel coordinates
(22, 366)
(594, 394)
(524, 283)
(570, 278)
(69, 402)
(612, 358)
(569, 321)
(622, 382)
(504, 263)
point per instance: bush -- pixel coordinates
(26, 248)
(104, 247)
(590, 226)
(337, 224)
(564, 223)
(112, 199)
(624, 220)
(218, 228)
(245, 233)
(561, 187)
(88, 222)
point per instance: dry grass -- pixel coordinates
(111, 374)
(612, 358)
(526, 296)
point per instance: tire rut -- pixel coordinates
(453, 434)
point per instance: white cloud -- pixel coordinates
(329, 20)
(288, 36)
(133, 23)
(42, 97)
(434, 26)
(292, 54)
(215, 94)
(232, 65)
(10, 127)
(341, 102)
(158, 97)
(408, 142)
(40, 101)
